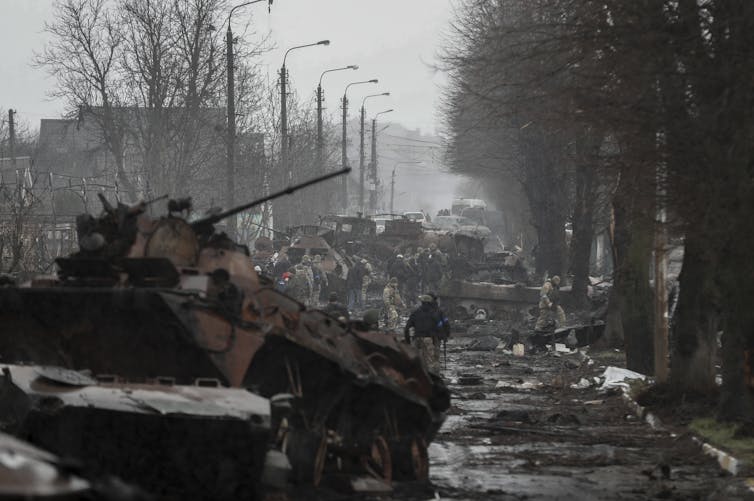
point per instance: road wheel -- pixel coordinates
(307, 452)
(378, 462)
(419, 459)
(410, 460)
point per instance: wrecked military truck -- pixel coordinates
(149, 298)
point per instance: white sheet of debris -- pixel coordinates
(617, 377)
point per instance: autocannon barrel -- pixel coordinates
(210, 220)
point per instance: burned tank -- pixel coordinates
(148, 298)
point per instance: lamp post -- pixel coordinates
(373, 165)
(361, 149)
(320, 99)
(344, 154)
(230, 173)
(392, 183)
(285, 168)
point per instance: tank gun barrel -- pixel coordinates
(210, 220)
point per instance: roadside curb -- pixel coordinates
(726, 461)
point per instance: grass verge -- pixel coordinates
(723, 435)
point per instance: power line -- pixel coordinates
(414, 140)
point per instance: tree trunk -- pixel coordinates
(631, 291)
(583, 233)
(696, 321)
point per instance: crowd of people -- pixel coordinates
(415, 276)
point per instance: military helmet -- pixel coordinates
(394, 281)
(425, 298)
(372, 318)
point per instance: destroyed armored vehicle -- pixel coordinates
(148, 298)
(157, 436)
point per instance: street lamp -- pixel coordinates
(361, 149)
(373, 165)
(231, 130)
(344, 155)
(392, 183)
(320, 99)
(285, 168)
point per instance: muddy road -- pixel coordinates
(523, 433)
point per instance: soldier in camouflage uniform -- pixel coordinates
(298, 285)
(306, 261)
(319, 281)
(392, 299)
(551, 314)
(366, 279)
(425, 329)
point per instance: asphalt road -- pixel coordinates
(523, 433)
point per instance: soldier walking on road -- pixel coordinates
(549, 307)
(366, 279)
(306, 262)
(392, 299)
(353, 283)
(433, 271)
(320, 280)
(426, 322)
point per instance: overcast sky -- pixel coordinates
(393, 40)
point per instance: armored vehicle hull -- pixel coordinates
(154, 298)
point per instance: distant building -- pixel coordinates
(187, 157)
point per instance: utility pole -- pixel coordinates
(362, 208)
(320, 138)
(344, 158)
(284, 146)
(230, 174)
(12, 136)
(373, 170)
(320, 100)
(361, 162)
(344, 193)
(284, 169)
(392, 192)
(373, 164)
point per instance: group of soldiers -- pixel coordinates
(410, 275)
(357, 282)
(420, 272)
(304, 282)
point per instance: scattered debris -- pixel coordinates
(519, 384)
(469, 379)
(583, 383)
(486, 343)
(617, 377)
(519, 349)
